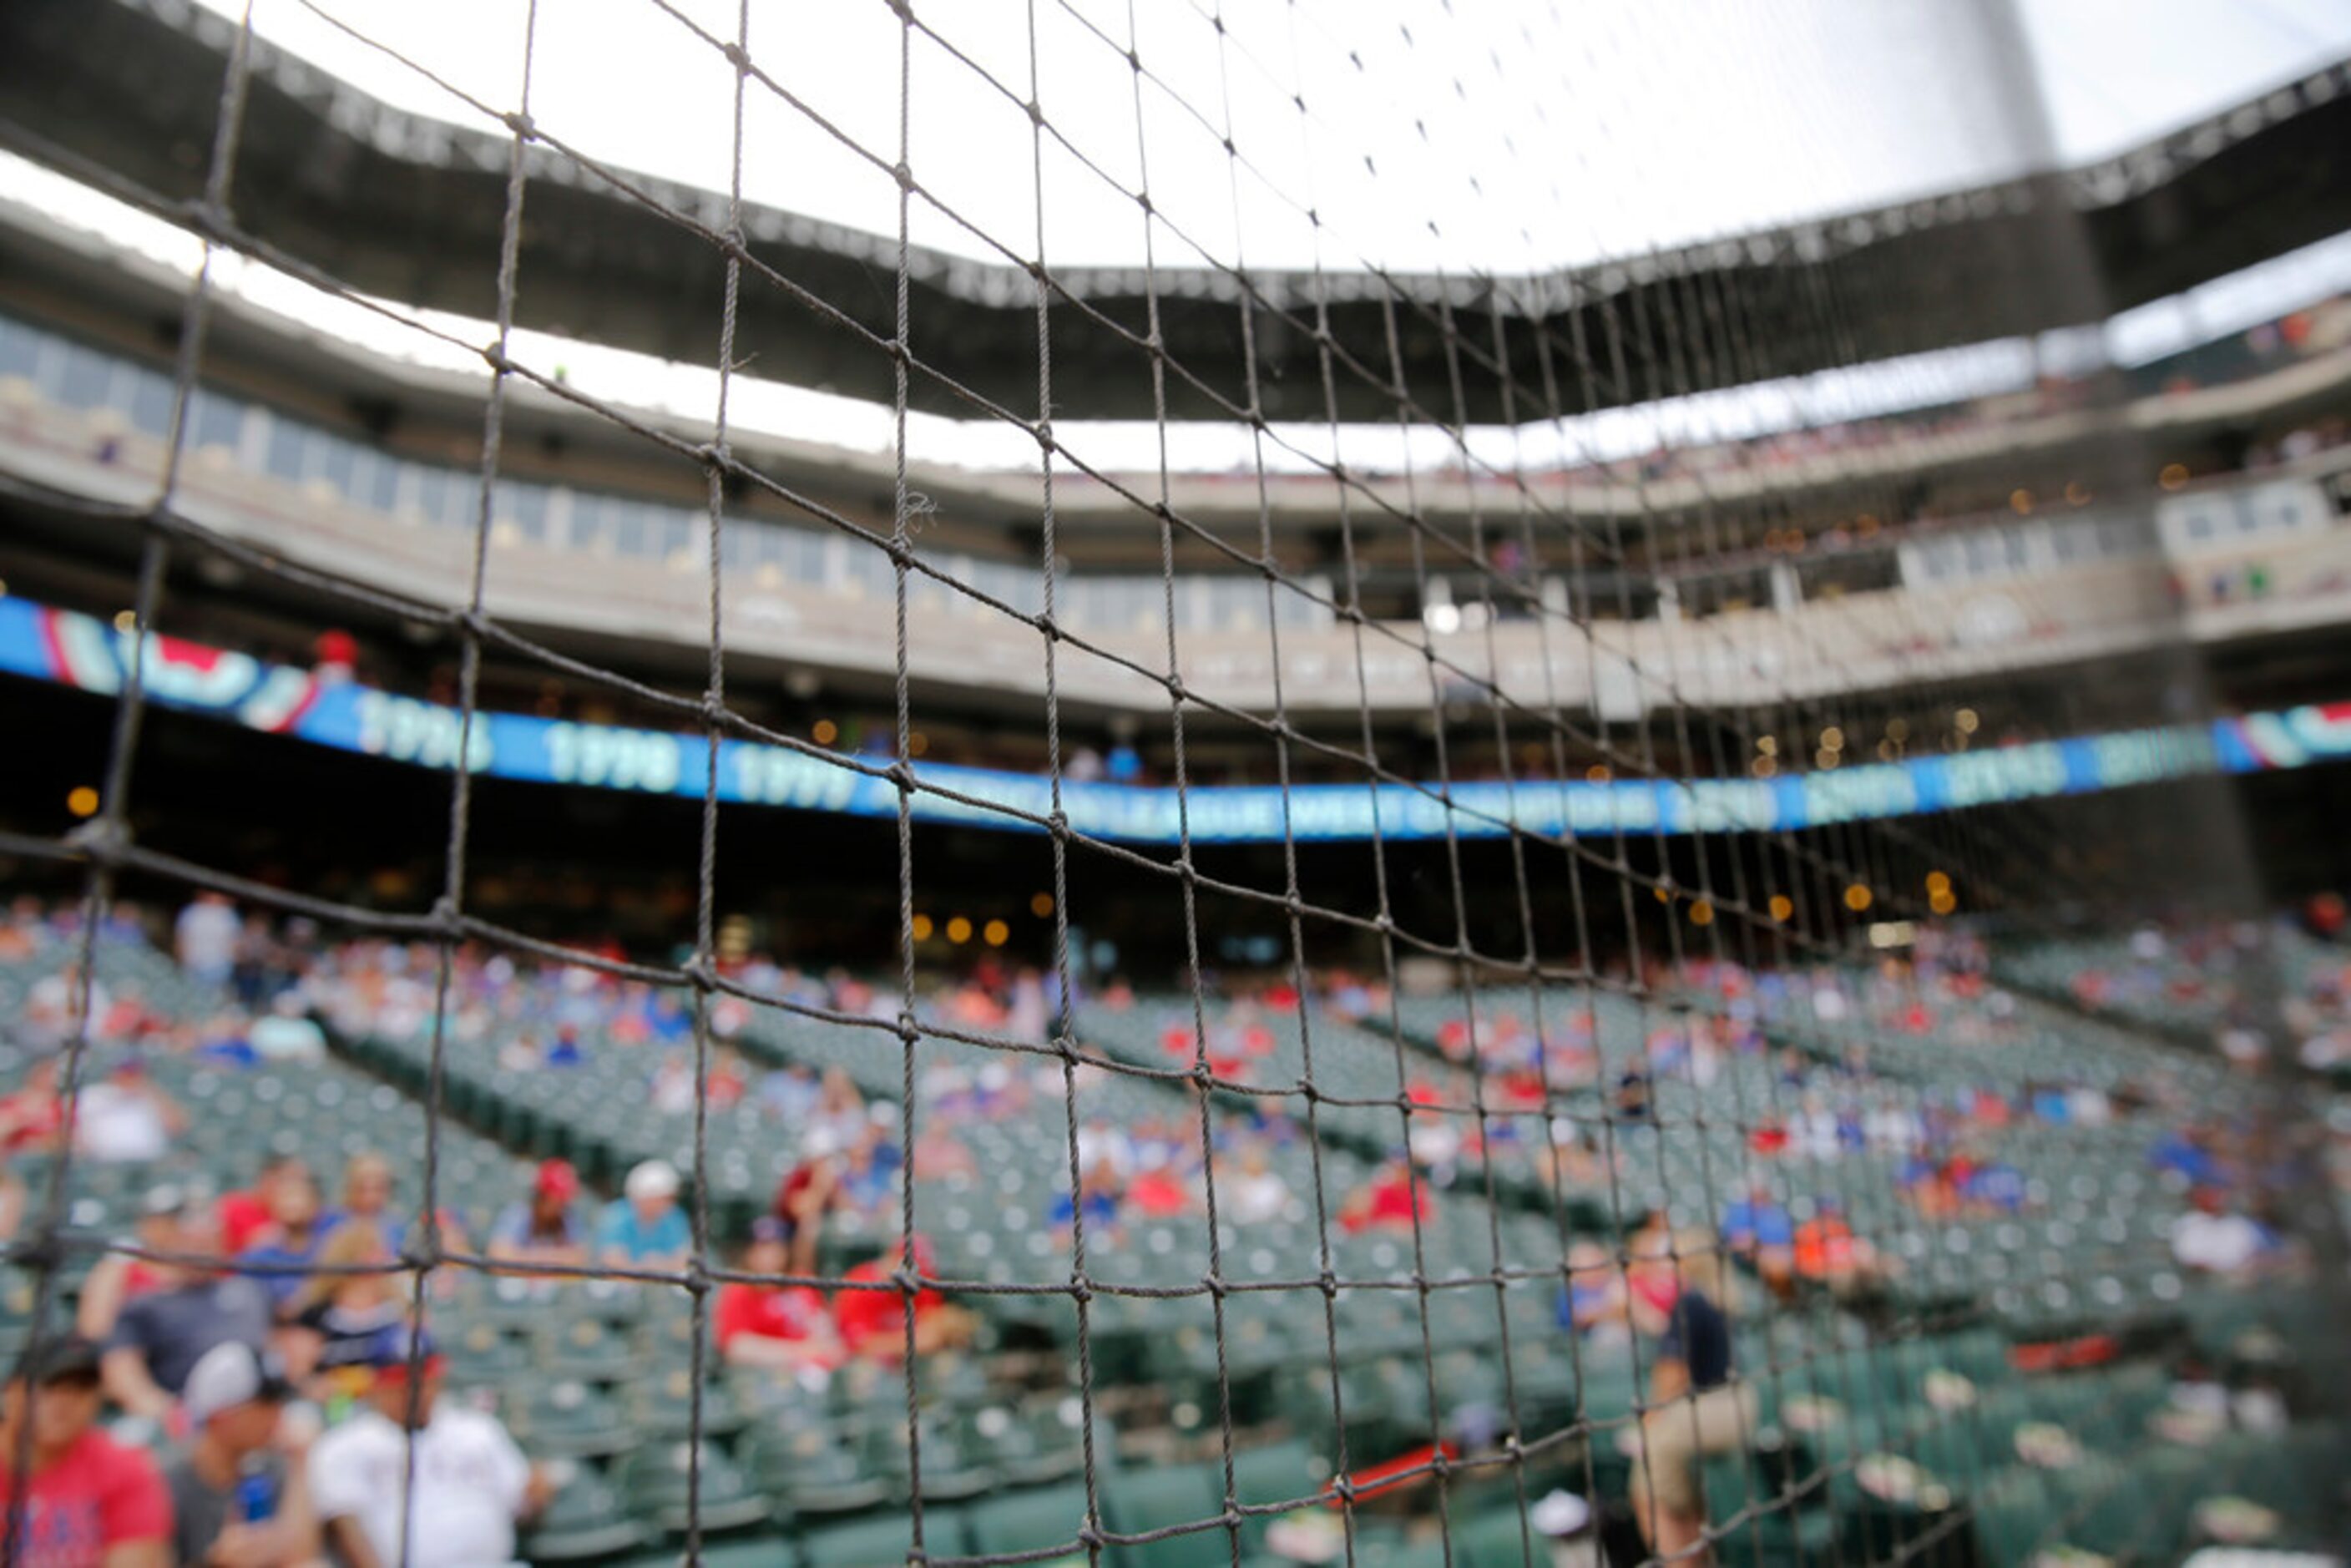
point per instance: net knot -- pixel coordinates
(446, 918)
(904, 173)
(697, 972)
(520, 124)
(902, 774)
(908, 1029)
(1036, 115)
(1050, 627)
(737, 55)
(103, 839)
(420, 1251)
(43, 1251)
(1215, 1285)
(1328, 1284)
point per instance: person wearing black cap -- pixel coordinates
(87, 1501)
(241, 1494)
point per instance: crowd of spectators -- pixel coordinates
(238, 1313)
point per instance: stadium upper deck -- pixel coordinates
(408, 209)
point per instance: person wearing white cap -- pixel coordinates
(241, 1494)
(644, 1227)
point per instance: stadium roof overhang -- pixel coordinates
(408, 208)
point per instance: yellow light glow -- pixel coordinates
(1859, 897)
(1943, 902)
(1825, 759)
(126, 621)
(1939, 882)
(1897, 729)
(2076, 493)
(1966, 720)
(1782, 906)
(82, 800)
(917, 743)
(1597, 773)
(1832, 739)
(995, 933)
(1764, 767)
(826, 732)
(1662, 896)
(958, 930)
(2020, 501)
(2173, 477)
(1701, 913)
(921, 926)
(1769, 744)
(1041, 906)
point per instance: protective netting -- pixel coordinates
(1524, 1173)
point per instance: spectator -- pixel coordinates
(1594, 1304)
(127, 1118)
(1696, 1407)
(287, 1248)
(874, 1322)
(245, 1218)
(343, 1318)
(286, 1033)
(241, 1493)
(1995, 1187)
(1252, 1193)
(769, 1323)
(33, 1119)
(644, 1227)
(162, 1334)
(545, 1228)
(89, 1502)
(1761, 1231)
(1097, 1199)
(367, 1195)
(205, 937)
(444, 1480)
(2213, 1238)
(118, 1277)
(1828, 1252)
(1392, 1200)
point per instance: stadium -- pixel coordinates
(1171, 785)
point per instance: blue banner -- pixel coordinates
(90, 655)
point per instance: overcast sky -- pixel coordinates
(1504, 138)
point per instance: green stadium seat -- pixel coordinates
(582, 1522)
(1147, 1500)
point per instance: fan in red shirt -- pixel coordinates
(874, 1322)
(90, 1502)
(32, 1118)
(770, 1323)
(1391, 1199)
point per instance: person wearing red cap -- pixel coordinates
(464, 1482)
(546, 1228)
